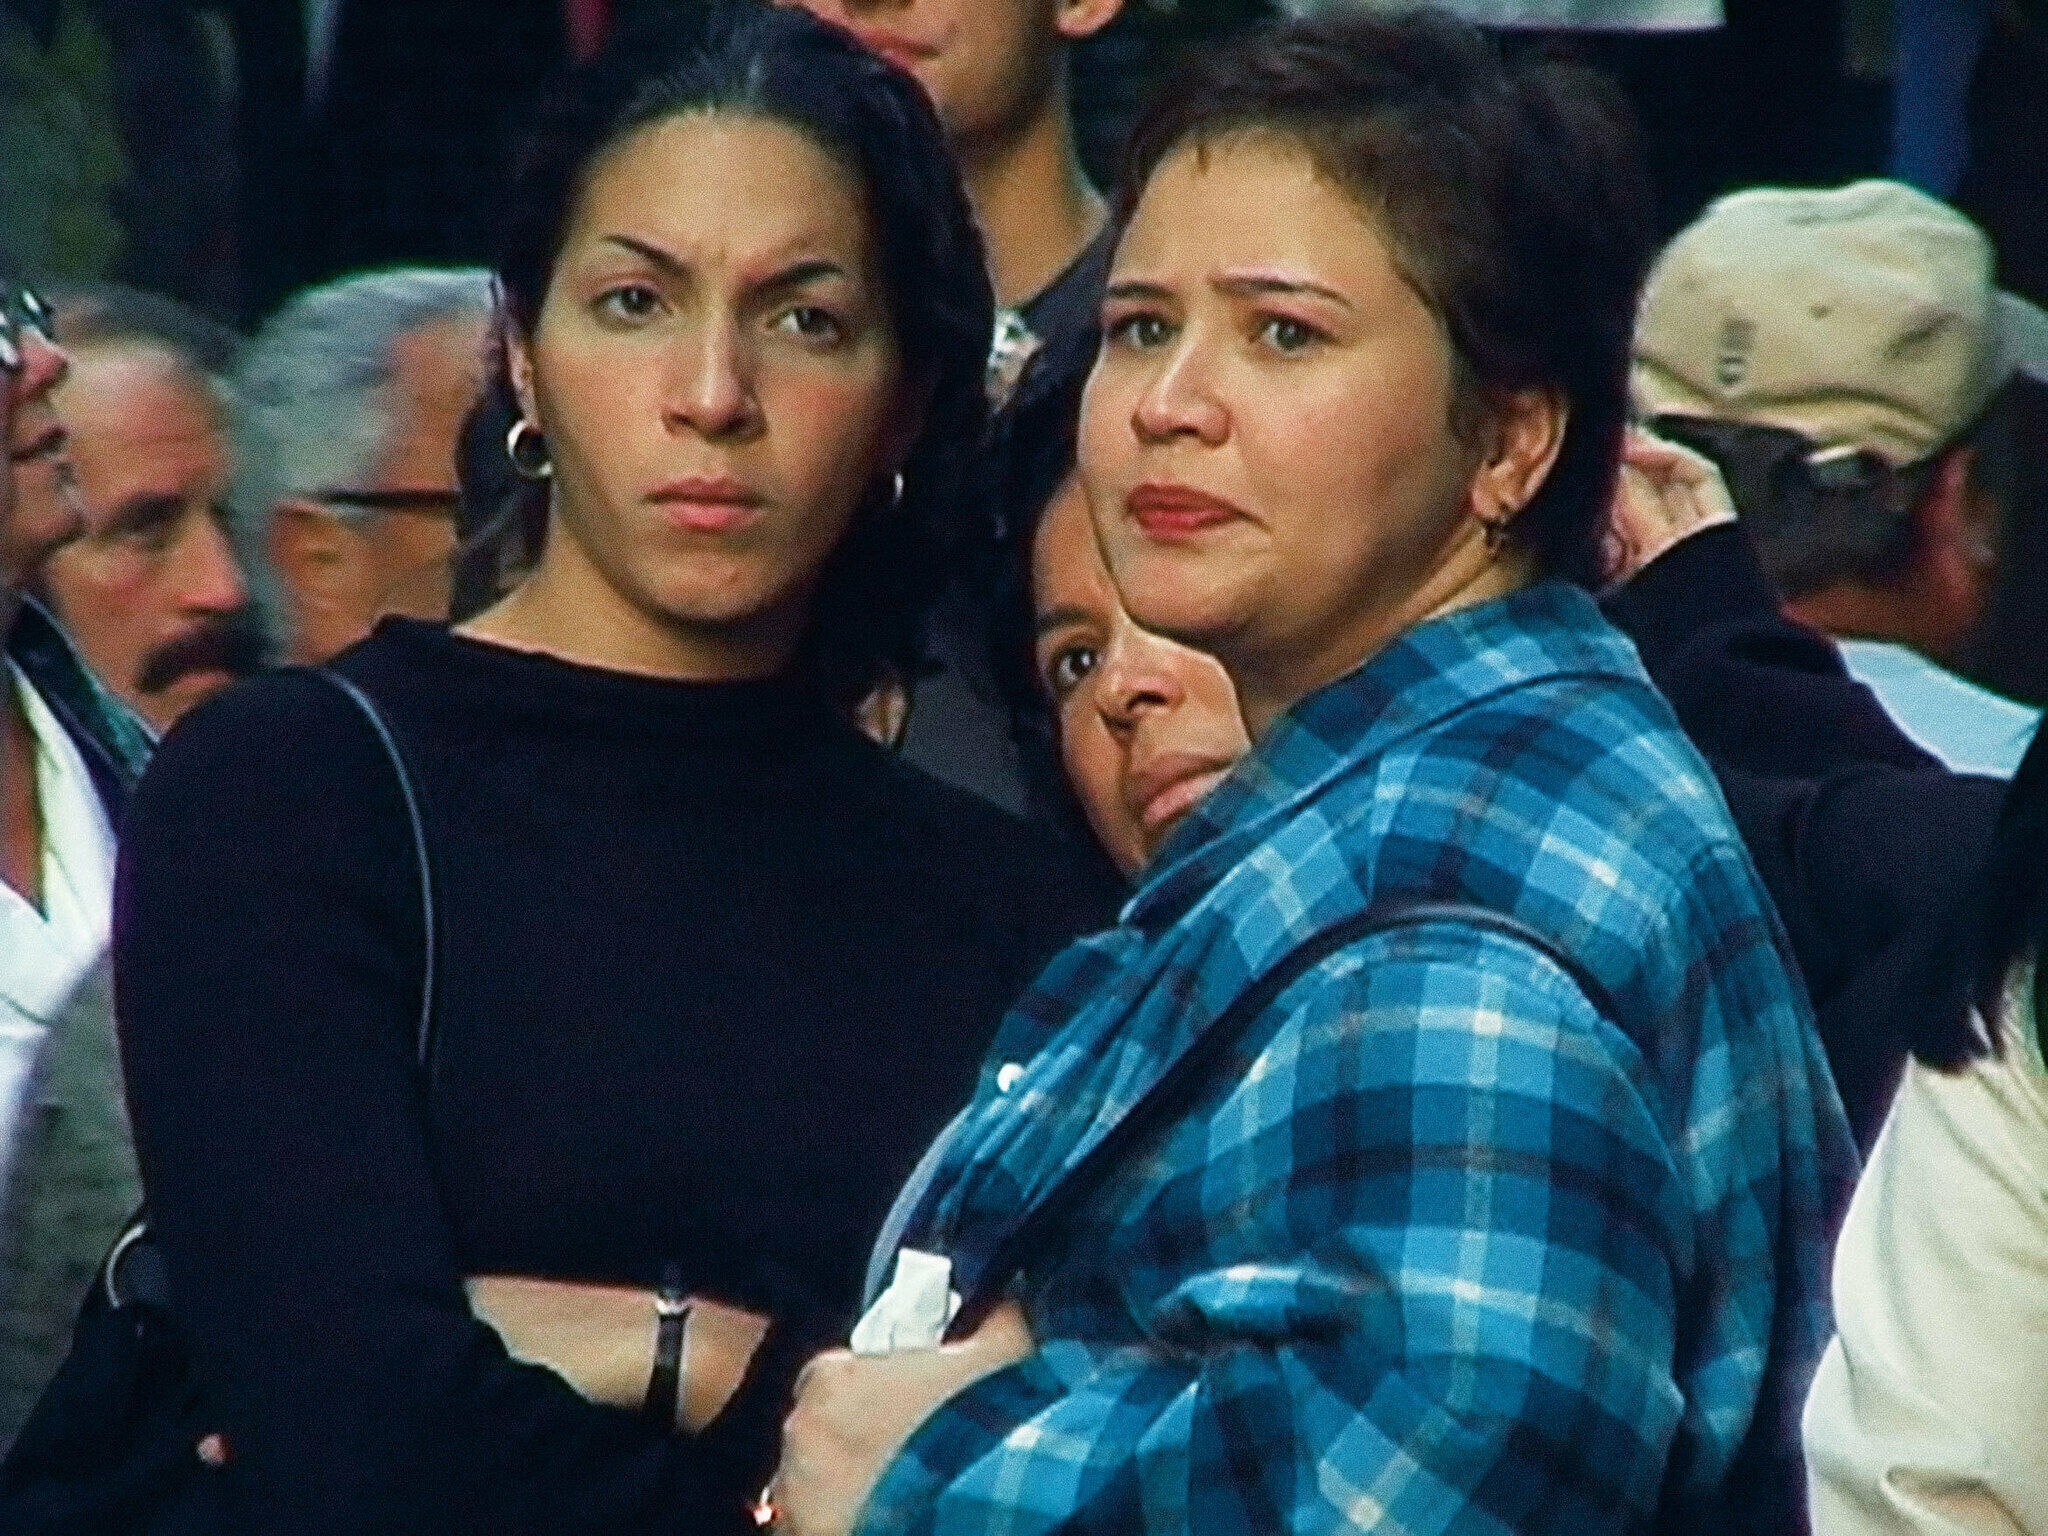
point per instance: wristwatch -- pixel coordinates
(665, 1382)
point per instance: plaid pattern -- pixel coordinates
(1440, 1248)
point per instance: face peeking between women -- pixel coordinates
(717, 379)
(1267, 436)
(1147, 727)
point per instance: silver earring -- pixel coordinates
(896, 491)
(528, 451)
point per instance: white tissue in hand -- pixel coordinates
(912, 1313)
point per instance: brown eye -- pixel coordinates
(811, 323)
(1137, 331)
(628, 302)
(1284, 334)
(1067, 667)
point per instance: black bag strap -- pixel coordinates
(1182, 1081)
(416, 823)
(134, 1269)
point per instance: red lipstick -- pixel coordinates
(1166, 511)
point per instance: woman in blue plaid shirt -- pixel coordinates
(1463, 1231)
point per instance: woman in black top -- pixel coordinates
(713, 967)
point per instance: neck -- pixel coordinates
(568, 609)
(21, 819)
(1035, 205)
(1468, 575)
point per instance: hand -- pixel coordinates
(854, 1412)
(1663, 495)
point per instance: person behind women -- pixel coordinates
(1511, 1224)
(710, 965)
(1120, 732)
(1930, 1409)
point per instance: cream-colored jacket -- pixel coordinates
(1929, 1413)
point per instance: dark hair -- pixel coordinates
(785, 66)
(1962, 962)
(1031, 455)
(1844, 517)
(1511, 199)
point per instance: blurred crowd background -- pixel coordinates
(228, 153)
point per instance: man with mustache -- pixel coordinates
(68, 757)
(152, 593)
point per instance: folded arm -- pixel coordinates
(1430, 1288)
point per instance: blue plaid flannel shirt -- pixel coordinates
(1438, 1248)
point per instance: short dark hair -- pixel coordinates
(1511, 198)
(1857, 518)
(786, 66)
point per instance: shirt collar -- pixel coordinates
(1423, 676)
(116, 743)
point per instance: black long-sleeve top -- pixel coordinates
(714, 969)
(1864, 841)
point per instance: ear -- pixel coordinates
(1957, 528)
(1947, 515)
(1524, 435)
(1076, 19)
(314, 551)
(519, 362)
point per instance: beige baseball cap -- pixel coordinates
(1860, 317)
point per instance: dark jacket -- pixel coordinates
(1864, 840)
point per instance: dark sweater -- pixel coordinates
(714, 970)
(1864, 841)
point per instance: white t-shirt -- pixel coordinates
(44, 955)
(1929, 1413)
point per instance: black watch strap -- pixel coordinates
(665, 1383)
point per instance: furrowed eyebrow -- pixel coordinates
(669, 263)
(1135, 290)
(797, 275)
(1260, 286)
(1061, 618)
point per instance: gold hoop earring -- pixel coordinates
(528, 451)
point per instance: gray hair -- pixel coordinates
(200, 348)
(313, 388)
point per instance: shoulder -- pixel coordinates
(1554, 788)
(963, 844)
(279, 753)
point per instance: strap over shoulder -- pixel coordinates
(984, 1273)
(388, 739)
(133, 1269)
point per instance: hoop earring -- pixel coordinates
(528, 451)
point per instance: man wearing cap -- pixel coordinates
(1842, 356)
(1864, 838)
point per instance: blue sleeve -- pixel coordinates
(1425, 1281)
